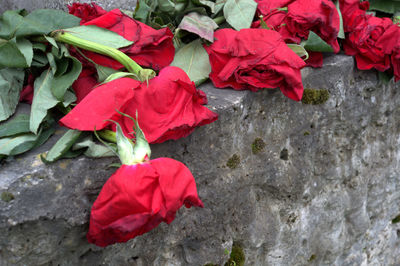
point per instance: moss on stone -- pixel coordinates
(7, 196)
(313, 96)
(312, 257)
(237, 257)
(396, 219)
(233, 162)
(258, 145)
(211, 264)
(306, 133)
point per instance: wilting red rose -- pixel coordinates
(86, 11)
(137, 198)
(85, 83)
(352, 10)
(264, 7)
(361, 42)
(315, 59)
(389, 42)
(169, 107)
(255, 59)
(26, 94)
(151, 48)
(319, 16)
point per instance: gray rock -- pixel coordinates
(322, 191)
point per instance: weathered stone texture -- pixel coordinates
(323, 190)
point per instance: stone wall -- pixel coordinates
(286, 182)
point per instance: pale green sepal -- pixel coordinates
(299, 50)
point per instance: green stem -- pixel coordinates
(219, 20)
(116, 54)
(108, 135)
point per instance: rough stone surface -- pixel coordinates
(323, 191)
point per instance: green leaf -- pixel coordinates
(193, 59)
(99, 35)
(11, 82)
(17, 125)
(219, 5)
(201, 25)
(387, 6)
(51, 41)
(93, 149)
(11, 55)
(207, 3)
(52, 62)
(104, 72)
(172, 7)
(240, 13)
(118, 75)
(61, 83)
(142, 12)
(299, 50)
(315, 44)
(39, 22)
(69, 97)
(62, 146)
(39, 59)
(23, 142)
(341, 29)
(43, 99)
(26, 48)
(17, 144)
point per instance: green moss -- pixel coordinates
(211, 264)
(7, 196)
(257, 146)
(313, 257)
(237, 257)
(233, 162)
(396, 219)
(306, 133)
(313, 96)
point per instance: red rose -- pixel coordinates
(170, 107)
(361, 41)
(137, 198)
(302, 16)
(86, 11)
(85, 83)
(319, 16)
(352, 10)
(315, 59)
(255, 59)
(389, 42)
(151, 48)
(264, 7)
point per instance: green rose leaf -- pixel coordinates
(23, 142)
(61, 83)
(16, 54)
(387, 6)
(104, 72)
(315, 44)
(219, 5)
(240, 13)
(43, 99)
(69, 97)
(93, 149)
(11, 82)
(210, 4)
(39, 22)
(99, 35)
(201, 25)
(299, 50)
(17, 125)
(341, 29)
(62, 146)
(193, 59)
